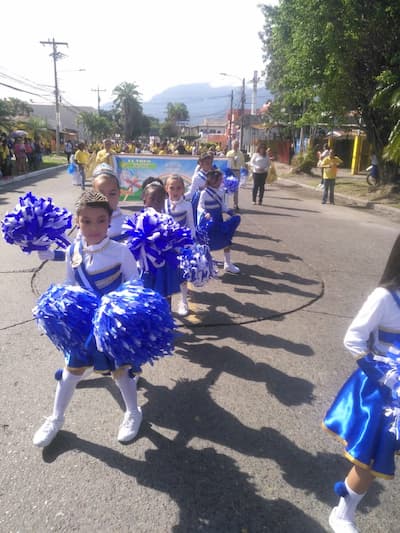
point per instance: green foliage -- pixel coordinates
(129, 111)
(304, 162)
(96, 126)
(329, 58)
(177, 113)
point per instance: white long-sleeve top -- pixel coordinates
(259, 163)
(102, 257)
(376, 326)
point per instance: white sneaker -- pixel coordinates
(130, 426)
(339, 525)
(183, 309)
(230, 267)
(47, 431)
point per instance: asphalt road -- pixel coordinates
(231, 438)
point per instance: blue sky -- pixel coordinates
(153, 44)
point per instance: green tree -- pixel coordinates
(177, 113)
(96, 126)
(128, 109)
(324, 59)
(388, 96)
(12, 110)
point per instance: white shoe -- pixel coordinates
(339, 525)
(130, 426)
(230, 267)
(183, 309)
(47, 431)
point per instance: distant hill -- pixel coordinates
(202, 101)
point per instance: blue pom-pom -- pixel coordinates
(134, 326)
(340, 489)
(231, 184)
(153, 237)
(65, 314)
(58, 374)
(36, 223)
(197, 264)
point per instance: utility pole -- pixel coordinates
(255, 81)
(230, 122)
(98, 91)
(242, 102)
(56, 55)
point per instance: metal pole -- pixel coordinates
(254, 93)
(98, 90)
(243, 101)
(230, 123)
(56, 55)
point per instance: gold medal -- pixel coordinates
(76, 258)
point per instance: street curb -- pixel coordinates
(379, 208)
(4, 182)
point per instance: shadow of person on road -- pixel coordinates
(288, 390)
(210, 490)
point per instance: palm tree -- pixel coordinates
(128, 105)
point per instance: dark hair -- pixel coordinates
(213, 173)
(391, 275)
(154, 186)
(149, 180)
(92, 199)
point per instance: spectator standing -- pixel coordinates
(329, 165)
(105, 154)
(68, 149)
(235, 163)
(20, 155)
(82, 157)
(259, 164)
(321, 157)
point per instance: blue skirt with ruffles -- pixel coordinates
(220, 232)
(357, 418)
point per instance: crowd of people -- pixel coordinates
(19, 155)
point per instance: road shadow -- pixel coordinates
(288, 390)
(210, 490)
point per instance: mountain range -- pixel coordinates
(202, 100)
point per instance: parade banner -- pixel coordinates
(132, 170)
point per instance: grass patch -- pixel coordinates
(53, 160)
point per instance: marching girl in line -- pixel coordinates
(181, 211)
(365, 414)
(100, 265)
(199, 180)
(210, 210)
(153, 252)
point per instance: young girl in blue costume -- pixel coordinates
(97, 264)
(359, 415)
(165, 280)
(182, 212)
(210, 210)
(199, 180)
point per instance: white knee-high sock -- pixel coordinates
(64, 392)
(347, 506)
(127, 386)
(184, 292)
(227, 256)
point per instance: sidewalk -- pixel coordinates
(345, 177)
(9, 180)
